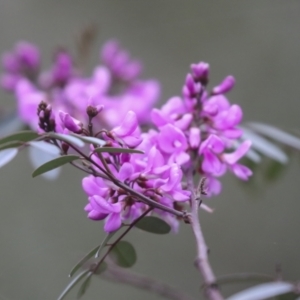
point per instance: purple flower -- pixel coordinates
(225, 86)
(28, 55)
(231, 159)
(200, 72)
(128, 131)
(172, 141)
(211, 148)
(70, 123)
(119, 61)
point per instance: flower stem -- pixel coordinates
(120, 275)
(202, 261)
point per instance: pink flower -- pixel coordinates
(70, 123)
(225, 86)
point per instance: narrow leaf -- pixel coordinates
(40, 154)
(53, 164)
(276, 134)
(264, 146)
(274, 170)
(289, 296)
(263, 291)
(23, 136)
(10, 123)
(7, 155)
(103, 244)
(101, 268)
(117, 150)
(253, 155)
(90, 139)
(83, 261)
(153, 225)
(67, 138)
(45, 147)
(84, 286)
(124, 254)
(13, 144)
(72, 284)
(86, 283)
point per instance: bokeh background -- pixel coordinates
(43, 228)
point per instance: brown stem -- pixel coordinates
(131, 191)
(117, 274)
(202, 261)
(120, 238)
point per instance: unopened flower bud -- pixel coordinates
(28, 54)
(201, 72)
(93, 111)
(191, 88)
(70, 123)
(194, 137)
(225, 86)
(41, 115)
(65, 147)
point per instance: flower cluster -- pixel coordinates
(196, 133)
(115, 83)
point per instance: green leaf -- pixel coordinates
(53, 164)
(12, 144)
(154, 225)
(263, 291)
(289, 296)
(101, 268)
(22, 136)
(84, 286)
(7, 155)
(276, 134)
(264, 146)
(66, 138)
(123, 254)
(86, 283)
(117, 150)
(274, 170)
(83, 260)
(103, 244)
(72, 284)
(90, 139)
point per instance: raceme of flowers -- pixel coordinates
(197, 132)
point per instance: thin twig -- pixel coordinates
(131, 191)
(149, 201)
(120, 275)
(120, 238)
(202, 262)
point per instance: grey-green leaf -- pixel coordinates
(90, 139)
(153, 225)
(276, 134)
(264, 146)
(12, 144)
(66, 138)
(53, 164)
(117, 150)
(7, 155)
(103, 244)
(22, 136)
(263, 291)
(83, 260)
(86, 283)
(84, 286)
(274, 170)
(124, 254)
(72, 284)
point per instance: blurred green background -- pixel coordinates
(43, 228)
